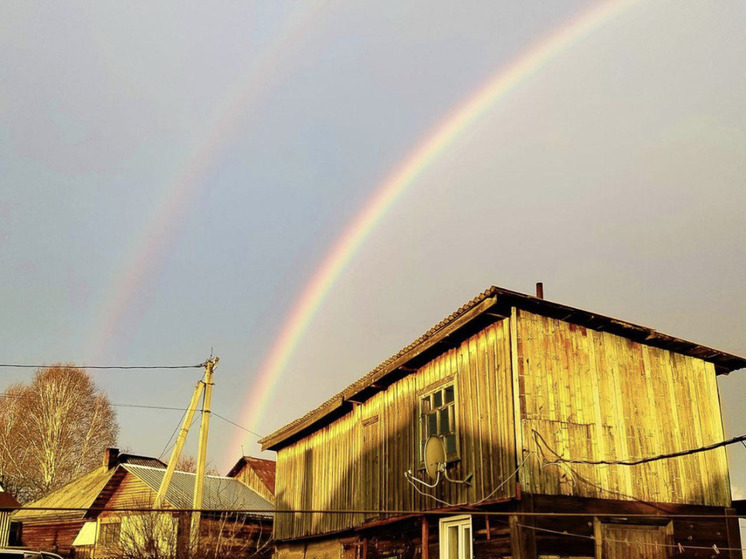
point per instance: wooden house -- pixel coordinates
(224, 528)
(109, 513)
(258, 474)
(45, 526)
(511, 399)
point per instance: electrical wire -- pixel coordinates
(635, 462)
(409, 475)
(237, 425)
(168, 448)
(525, 459)
(165, 448)
(435, 512)
(121, 367)
(165, 408)
(148, 407)
(433, 497)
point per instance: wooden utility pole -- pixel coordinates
(161, 495)
(202, 451)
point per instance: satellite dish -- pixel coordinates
(435, 457)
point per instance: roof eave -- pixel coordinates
(494, 304)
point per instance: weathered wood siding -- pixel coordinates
(596, 396)
(358, 461)
(4, 527)
(132, 492)
(648, 542)
(51, 536)
(249, 477)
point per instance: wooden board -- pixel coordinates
(597, 396)
(358, 462)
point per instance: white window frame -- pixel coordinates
(461, 527)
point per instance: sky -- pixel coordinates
(175, 180)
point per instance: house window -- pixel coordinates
(438, 418)
(455, 538)
(109, 533)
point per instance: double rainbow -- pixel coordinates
(386, 194)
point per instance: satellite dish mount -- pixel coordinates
(435, 462)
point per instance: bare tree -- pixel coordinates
(188, 463)
(53, 430)
(225, 535)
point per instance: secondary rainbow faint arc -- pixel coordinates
(150, 244)
(426, 152)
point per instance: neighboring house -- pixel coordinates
(258, 474)
(55, 530)
(115, 517)
(502, 393)
(222, 526)
(8, 504)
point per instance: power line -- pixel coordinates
(630, 462)
(166, 408)
(165, 448)
(237, 425)
(143, 406)
(169, 446)
(147, 407)
(121, 367)
(455, 510)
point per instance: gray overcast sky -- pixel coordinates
(171, 176)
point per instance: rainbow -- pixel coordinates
(146, 251)
(426, 152)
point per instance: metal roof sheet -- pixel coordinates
(219, 494)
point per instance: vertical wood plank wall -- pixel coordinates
(358, 462)
(4, 527)
(132, 492)
(597, 396)
(56, 536)
(249, 477)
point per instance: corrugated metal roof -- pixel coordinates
(219, 494)
(140, 460)
(79, 494)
